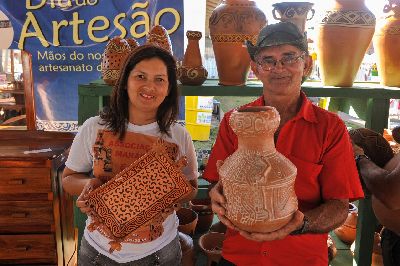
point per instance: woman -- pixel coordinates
(143, 109)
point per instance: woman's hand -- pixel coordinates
(81, 201)
(217, 205)
(295, 223)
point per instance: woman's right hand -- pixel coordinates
(217, 205)
(81, 201)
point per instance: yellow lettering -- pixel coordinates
(31, 19)
(56, 31)
(119, 26)
(92, 28)
(75, 27)
(33, 7)
(145, 22)
(174, 12)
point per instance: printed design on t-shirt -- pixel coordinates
(102, 153)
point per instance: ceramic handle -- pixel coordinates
(16, 181)
(312, 14)
(274, 14)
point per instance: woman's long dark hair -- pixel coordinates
(117, 115)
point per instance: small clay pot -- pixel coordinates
(211, 244)
(187, 248)
(204, 211)
(332, 250)
(347, 232)
(187, 221)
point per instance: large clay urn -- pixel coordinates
(344, 35)
(231, 24)
(295, 12)
(387, 43)
(257, 180)
(192, 71)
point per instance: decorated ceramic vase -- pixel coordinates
(387, 43)
(192, 72)
(159, 36)
(231, 24)
(295, 12)
(115, 53)
(257, 180)
(344, 35)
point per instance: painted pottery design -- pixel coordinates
(387, 43)
(258, 181)
(347, 232)
(348, 22)
(138, 195)
(115, 53)
(159, 36)
(295, 12)
(192, 72)
(231, 24)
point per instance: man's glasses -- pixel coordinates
(269, 63)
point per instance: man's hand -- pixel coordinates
(217, 205)
(81, 201)
(295, 223)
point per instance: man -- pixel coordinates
(315, 140)
(382, 179)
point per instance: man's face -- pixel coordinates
(280, 68)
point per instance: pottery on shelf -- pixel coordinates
(344, 35)
(257, 180)
(115, 53)
(295, 12)
(387, 43)
(159, 36)
(347, 231)
(192, 72)
(231, 24)
(211, 244)
(205, 213)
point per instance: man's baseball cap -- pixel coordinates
(278, 34)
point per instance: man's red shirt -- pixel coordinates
(317, 142)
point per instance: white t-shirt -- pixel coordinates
(80, 159)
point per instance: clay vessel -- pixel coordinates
(387, 43)
(115, 53)
(211, 244)
(295, 12)
(332, 250)
(187, 248)
(192, 72)
(344, 35)
(159, 36)
(231, 24)
(204, 211)
(347, 231)
(187, 221)
(258, 181)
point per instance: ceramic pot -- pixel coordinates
(192, 72)
(258, 181)
(332, 250)
(347, 232)
(205, 213)
(386, 44)
(211, 244)
(115, 53)
(187, 248)
(159, 36)
(344, 35)
(231, 24)
(295, 12)
(187, 221)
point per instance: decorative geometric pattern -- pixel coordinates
(363, 19)
(192, 75)
(139, 193)
(159, 36)
(62, 126)
(234, 38)
(193, 35)
(393, 30)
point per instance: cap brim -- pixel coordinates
(251, 49)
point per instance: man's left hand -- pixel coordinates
(295, 223)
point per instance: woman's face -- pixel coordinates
(147, 86)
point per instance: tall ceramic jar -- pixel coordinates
(257, 180)
(192, 71)
(231, 24)
(387, 44)
(344, 35)
(295, 12)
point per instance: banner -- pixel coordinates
(67, 38)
